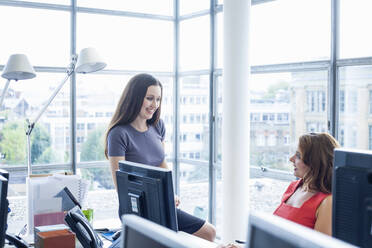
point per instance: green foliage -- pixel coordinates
(40, 142)
(13, 144)
(46, 157)
(93, 147)
(93, 150)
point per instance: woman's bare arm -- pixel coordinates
(324, 217)
(114, 164)
(164, 163)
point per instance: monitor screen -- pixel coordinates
(146, 191)
(3, 208)
(352, 196)
(267, 230)
(139, 232)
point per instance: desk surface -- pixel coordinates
(115, 224)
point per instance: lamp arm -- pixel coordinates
(31, 125)
(69, 72)
(4, 92)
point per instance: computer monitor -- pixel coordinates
(267, 230)
(3, 208)
(139, 232)
(4, 173)
(147, 191)
(352, 196)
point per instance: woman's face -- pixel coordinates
(151, 102)
(300, 168)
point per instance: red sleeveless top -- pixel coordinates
(304, 215)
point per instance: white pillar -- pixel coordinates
(236, 120)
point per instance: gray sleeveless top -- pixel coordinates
(140, 147)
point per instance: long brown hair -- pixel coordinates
(130, 103)
(317, 151)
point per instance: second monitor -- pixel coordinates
(147, 191)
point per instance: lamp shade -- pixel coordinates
(18, 68)
(89, 61)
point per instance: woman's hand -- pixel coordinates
(177, 200)
(229, 246)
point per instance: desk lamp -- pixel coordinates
(88, 61)
(17, 68)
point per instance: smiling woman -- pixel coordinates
(308, 201)
(136, 133)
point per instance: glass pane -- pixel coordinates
(194, 144)
(96, 103)
(194, 118)
(25, 99)
(64, 2)
(160, 7)
(289, 37)
(129, 43)
(264, 196)
(283, 107)
(355, 107)
(219, 45)
(102, 196)
(195, 44)
(43, 35)
(355, 20)
(189, 6)
(194, 189)
(167, 110)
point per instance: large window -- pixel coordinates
(293, 89)
(279, 116)
(130, 41)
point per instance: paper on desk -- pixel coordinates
(77, 185)
(48, 205)
(47, 187)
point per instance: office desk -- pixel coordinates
(115, 224)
